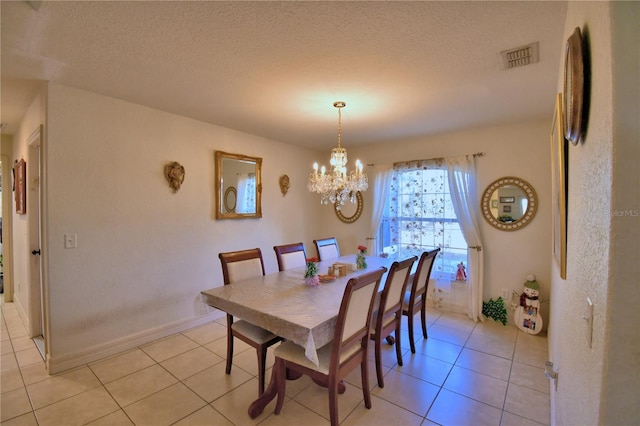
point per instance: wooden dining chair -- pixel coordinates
(346, 351)
(388, 317)
(238, 266)
(415, 297)
(290, 256)
(327, 248)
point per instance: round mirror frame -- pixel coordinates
(356, 215)
(532, 203)
(231, 191)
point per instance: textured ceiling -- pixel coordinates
(274, 69)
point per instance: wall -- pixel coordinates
(599, 384)
(521, 150)
(144, 253)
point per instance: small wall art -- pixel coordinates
(20, 182)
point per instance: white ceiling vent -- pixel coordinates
(520, 56)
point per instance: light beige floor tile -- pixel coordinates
(459, 321)
(28, 419)
(407, 392)
(529, 377)
(139, 385)
(248, 360)
(528, 403)
(481, 362)
(439, 349)
(165, 407)
(8, 362)
(219, 347)
(169, 347)
(207, 333)
(14, 403)
(212, 383)
(382, 413)
(423, 367)
(28, 356)
(5, 347)
(120, 365)
(448, 334)
(10, 380)
(486, 389)
(451, 408)
(191, 362)
(492, 345)
(34, 373)
(531, 355)
(204, 416)
(316, 398)
(117, 418)
(292, 413)
(389, 357)
(234, 405)
(509, 419)
(77, 410)
(64, 385)
(22, 343)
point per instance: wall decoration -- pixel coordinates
(574, 87)
(284, 184)
(559, 151)
(230, 199)
(343, 216)
(20, 173)
(174, 172)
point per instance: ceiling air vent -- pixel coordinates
(520, 56)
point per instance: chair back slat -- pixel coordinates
(327, 248)
(395, 286)
(290, 256)
(424, 269)
(354, 317)
(241, 265)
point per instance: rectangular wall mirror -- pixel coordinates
(238, 186)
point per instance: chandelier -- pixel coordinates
(336, 185)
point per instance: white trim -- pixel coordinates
(104, 350)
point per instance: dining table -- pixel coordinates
(282, 303)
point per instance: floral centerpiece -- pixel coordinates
(361, 260)
(311, 273)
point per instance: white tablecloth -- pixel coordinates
(283, 304)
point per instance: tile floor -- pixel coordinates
(463, 374)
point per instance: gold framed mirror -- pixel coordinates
(350, 212)
(238, 186)
(509, 203)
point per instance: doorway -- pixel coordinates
(34, 197)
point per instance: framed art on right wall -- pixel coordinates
(559, 188)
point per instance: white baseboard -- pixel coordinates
(104, 350)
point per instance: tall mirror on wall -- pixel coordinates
(509, 203)
(238, 186)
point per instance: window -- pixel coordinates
(419, 216)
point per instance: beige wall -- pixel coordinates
(600, 384)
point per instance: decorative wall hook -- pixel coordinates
(284, 184)
(174, 172)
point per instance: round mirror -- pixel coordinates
(349, 212)
(509, 203)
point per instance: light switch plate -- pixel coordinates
(70, 241)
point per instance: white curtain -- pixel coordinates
(245, 198)
(461, 172)
(381, 182)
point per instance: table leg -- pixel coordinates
(257, 407)
(342, 388)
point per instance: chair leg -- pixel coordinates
(333, 401)
(411, 339)
(280, 370)
(262, 360)
(378, 343)
(398, 347)
(364, 372)
(423, 317)
(229, 349)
